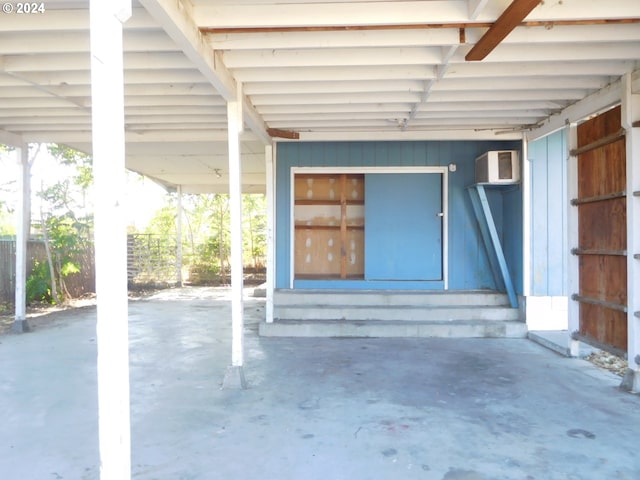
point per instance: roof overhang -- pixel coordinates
(310, 70)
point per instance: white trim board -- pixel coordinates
(444, 171)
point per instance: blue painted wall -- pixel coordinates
(512, 236)
(548, 215)
(468, 265)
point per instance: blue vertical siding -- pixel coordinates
(468, 264)
(548, 215)
(512, 235)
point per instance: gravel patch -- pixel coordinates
(609, 362)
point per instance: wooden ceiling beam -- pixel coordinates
(279, 133)
(504, 25)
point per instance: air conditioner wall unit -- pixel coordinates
(498, 167)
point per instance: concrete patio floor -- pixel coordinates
(441, 409)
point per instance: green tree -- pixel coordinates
(206, 232)
(7, 227)
(254, 233)
(164, 220)
(208, 218)
(81, 163)
(66, 224)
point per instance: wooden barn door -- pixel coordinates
(602, 230)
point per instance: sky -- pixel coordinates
(144, 196)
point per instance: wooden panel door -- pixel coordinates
(329, 226)
(602, 230)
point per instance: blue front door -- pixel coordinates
(403, 226)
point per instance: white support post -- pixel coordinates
(234, 377)
(573, 267)
(526, 220)
(20, 323)
(107, 95)
(631, 115)
(268, 156)
(179, 281)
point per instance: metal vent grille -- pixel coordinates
(482, 170)
(505, 165)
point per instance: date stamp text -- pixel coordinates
(24, 8)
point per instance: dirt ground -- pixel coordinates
(40, 314)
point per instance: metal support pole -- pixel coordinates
(107, 95)
(20, 323)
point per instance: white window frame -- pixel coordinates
(444, 171)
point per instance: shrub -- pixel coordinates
(39, 284)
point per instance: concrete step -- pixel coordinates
(438, 329)
(391, 297)
(407, 313)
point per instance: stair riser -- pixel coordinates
(391, 299)
(403, 314)
(318, 329)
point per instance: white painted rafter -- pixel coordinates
(64, 20)
(445, 133)
(41, 62)
(413, 97)
(476, 7)
(78, 42)
(459, 122)
(11, 139)
(558, 52)
(537, 69)
(588, 105)
(332, 107)
(571, 34)
(550, 82)
(329, 13)
(336, 57)
(420, 37)
(331, 39)
(272, 14)
(382, 67)
(584, 9)
(379, 86)
(333, 73)
(62, 78)
(357, 108)
(134, 89)
(180, 26)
